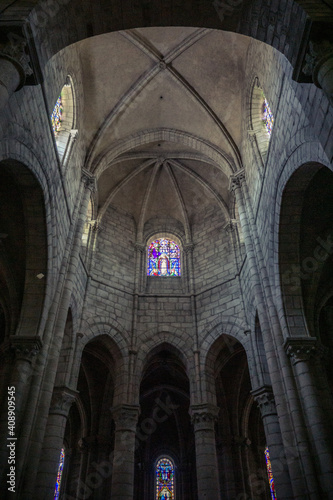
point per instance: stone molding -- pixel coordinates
(237, 180)
(264, 398)
(303, 349)
(126, 417)
(62, 399)
(204, 416)
(25, 348)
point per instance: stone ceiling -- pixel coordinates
(163, 116)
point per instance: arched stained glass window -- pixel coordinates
(165, 480)
(163, 258)
(57, 116)
(267, 116)
(270, 474)
(59, 475)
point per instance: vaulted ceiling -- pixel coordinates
(163, 117)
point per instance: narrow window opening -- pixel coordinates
(270, 475)
(165, 479)
(59, 475)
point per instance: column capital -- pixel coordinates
(89, 180)
(318, 53)
(204, 416)
(264, 398)
(96, 226)
(237, 180)
(230, 225)
(25, 348)
(125, 417)
(62, 399)
(188, 248)
(303, 349)
(139, 247)
(14, 51)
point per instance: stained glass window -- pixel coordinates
(59, 475)
(267, 116)
(56, 116)
(163, 258)
(270, 474)
(165, 480)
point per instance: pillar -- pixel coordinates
(204, 417)
(303, 353)
(265, 399)
(126, 419)
(21, 358)
(61, 403)
(302, 472)
(33, 428)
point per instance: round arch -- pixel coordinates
(23, 235)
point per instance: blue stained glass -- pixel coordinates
(270, 475)
(267, 117)
(57, 115)
(59, 475)
(165, 479)
(163, 258)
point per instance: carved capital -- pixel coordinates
(74, 133)
(96, 226)
(14, 50)
(204, 416)
(303, 349)
(251, 136)
(25, 348)
(62, 400)
(89, 180)
(264, 398)
(139, 247)
(318, 53)
(237, 180)
(125, 417)
(225, 8)
(188, 248)
(230, 225)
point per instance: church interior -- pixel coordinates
(166, 249)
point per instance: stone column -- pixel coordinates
(61, 403)
(265, 399)
(14, 67)
(302, 473)
(44, 381)
(203, 418)
(23, 353)
(303, 353)
(126, 419)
